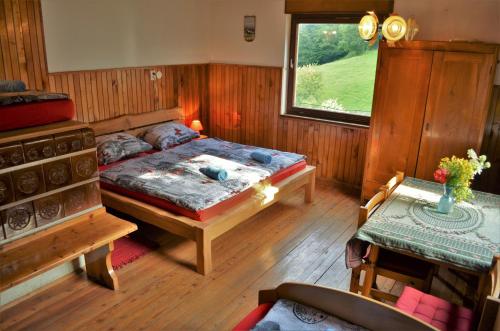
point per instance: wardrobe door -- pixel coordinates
(398, 111)
(457, 107)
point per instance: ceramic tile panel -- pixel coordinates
(28, 182)
(18, 219)
(68, 142)
(39, 149)
(11, 155)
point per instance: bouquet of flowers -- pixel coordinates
(458, 173)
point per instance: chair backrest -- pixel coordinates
(393, 183)
(370, 207)
(490, 316)
(354, 308)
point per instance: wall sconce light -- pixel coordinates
(394, 28)
(368, 27)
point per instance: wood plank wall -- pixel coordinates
(245, 105)
(337, 151)
(108, 93)
(22, 44)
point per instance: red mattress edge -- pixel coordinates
(203, 215)
(254, 317)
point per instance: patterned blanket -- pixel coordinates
(28, 98)
(290, 315)
(174, 174)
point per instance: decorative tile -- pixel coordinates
(68, 142)
(84, 167)
(39, 149)
(28, 182)
(11, 155)
(6, 190)
(18, 219)
(57, 174)
(48, 209)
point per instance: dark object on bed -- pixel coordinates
(214, 173)
(23, 115)
(12, 86)
(262, 157)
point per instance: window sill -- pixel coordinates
(338, 123)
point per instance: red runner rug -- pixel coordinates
(129, 249)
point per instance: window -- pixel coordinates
(332, 70)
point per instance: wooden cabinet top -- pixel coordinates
(450, 46)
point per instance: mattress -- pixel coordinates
(171, 179)
(24, 115)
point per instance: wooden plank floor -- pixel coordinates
(290, 241)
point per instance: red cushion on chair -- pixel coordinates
(435, 311)
(254, 317)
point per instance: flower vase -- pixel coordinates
(447, 201)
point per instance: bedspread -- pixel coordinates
(174, 174)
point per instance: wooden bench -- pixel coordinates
(91, 234)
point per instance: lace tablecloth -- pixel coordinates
(468, 237)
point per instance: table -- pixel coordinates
(466, 239)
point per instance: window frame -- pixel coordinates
(297, 19)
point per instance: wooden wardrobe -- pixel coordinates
(431, 100)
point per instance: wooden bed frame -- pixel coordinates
(202, 232)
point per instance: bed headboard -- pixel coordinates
(135, 124)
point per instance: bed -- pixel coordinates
(201, 220)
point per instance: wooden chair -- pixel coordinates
(490, 316)
(353, 308)
(387, 263)
(391, 185)
(424, 306)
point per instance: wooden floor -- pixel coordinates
(290, 241)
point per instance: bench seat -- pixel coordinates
(91, 234)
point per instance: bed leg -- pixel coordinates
(310, 187)
(99, 268)
(203, 252)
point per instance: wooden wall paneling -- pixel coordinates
(336, 151)
(244, 103)
(22, 44)
(108, 93)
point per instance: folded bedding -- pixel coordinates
(174, 174)
(214, 173)
(28, 97)
(261, 157)
(7, 86)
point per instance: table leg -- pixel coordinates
(354, 287)
(370, 271)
